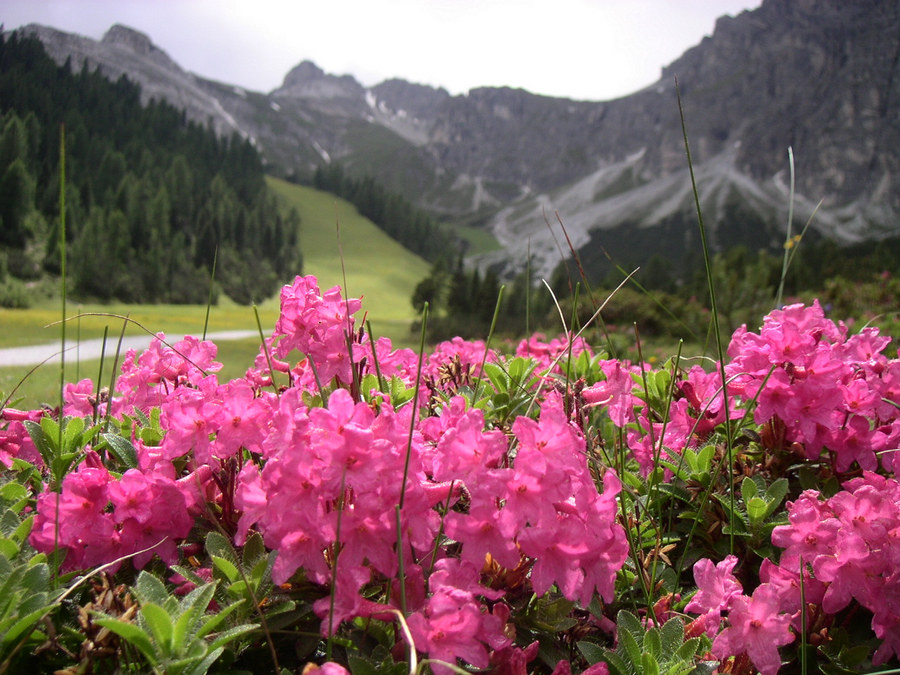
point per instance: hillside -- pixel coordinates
(377, 267)
(819, 76)
(151, 198)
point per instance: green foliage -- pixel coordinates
(511, 391)
(60, 449)
(392, 213)
(152, 196)
(752, 516)
(176, 636)
(25, 588)
(651, 651)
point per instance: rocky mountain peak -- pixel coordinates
(418, 100)
(133, 39)
(303, 73)
(307, 80)
(135, 47)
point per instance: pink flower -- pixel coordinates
(811, 533)
(757, 628)
(15, 440)
(453, 624)
(716, 587)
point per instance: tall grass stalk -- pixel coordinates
(790, 223)
(262, 339)
(354, 374)
(528, 291)
(62, 330)
(212, 285)
(62, 273)
(566, 330)
(609, 343)
(100, 377)
(487, 343)
(336, 551)
(414, 405)
(401, 568)
(114, 375)
(382, 385)
(720, 349)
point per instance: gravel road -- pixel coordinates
(88, 350)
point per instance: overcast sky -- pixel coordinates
(582, 49)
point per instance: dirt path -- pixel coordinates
(88, 350)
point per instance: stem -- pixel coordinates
(415, 406)
(209, 302)
(787, 241)
(729, 441)
(266, 348)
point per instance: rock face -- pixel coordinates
(819, 76)
(124, 51)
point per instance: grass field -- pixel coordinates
(377, 268)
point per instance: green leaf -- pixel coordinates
(226, 567)
(649, 664)
(677, 492)
(13, 492)
(617, 663)
(748, 489)
(208, 660)
(629, 646)
(20, 534)
(41, 440)
(149, 589)
(775, 494)
(756, 509)
(212, 621)
(232, 634)
(122, 449)
(160, 624)
(672, 635)
(497, 376)
(591, 651)
(217, 545)
(131, 633)
(254, 550)
(705, 458)
(21, 624)
(653, 643)
(688, 650)
(192, 608)
(72, 428)
(361, 666)
(8, 548)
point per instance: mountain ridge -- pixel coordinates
(819, 76)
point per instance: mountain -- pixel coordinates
(819, 76)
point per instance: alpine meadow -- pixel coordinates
(350, 380)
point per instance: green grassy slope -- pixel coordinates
(378, 269)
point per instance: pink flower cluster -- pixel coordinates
(549, 355)
(846, 548)
(851, 542)
(757, 626)
(324, 483)
(830, 390)
(347, 484)
(316, 490)
(14, 438)
(97, 518)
